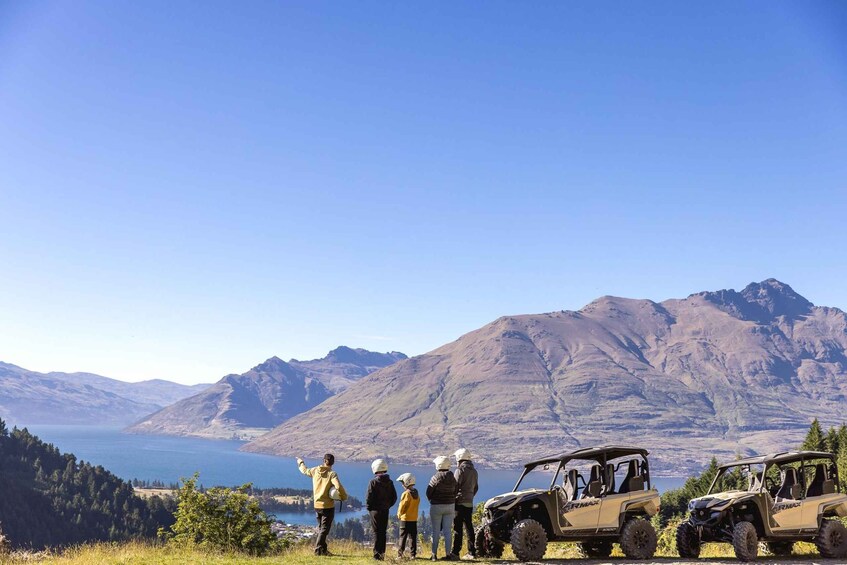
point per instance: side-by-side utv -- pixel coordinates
(789, 497)
(594, 509)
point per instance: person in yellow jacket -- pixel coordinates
(407, 513)
(326, 489)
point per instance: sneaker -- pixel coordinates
(469, 557)
(451, 557)
(433, 558)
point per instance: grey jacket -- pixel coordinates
(466, 479)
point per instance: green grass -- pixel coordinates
(137, 553)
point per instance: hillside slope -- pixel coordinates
(49, 499)
(28, 397)
(714, 373)
(250, 404)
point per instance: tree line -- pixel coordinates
(50, 499)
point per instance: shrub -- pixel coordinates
(223, 519)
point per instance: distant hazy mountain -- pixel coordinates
(250, 404)
(28, 397)
(715, 373)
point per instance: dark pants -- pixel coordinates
(409, 531)
(464, 517)
(379, 524)
(325, 517)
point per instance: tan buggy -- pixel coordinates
(589, 506)
(788, 497)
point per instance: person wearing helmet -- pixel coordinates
(441, 493)
(467, 487)
(380, 498)
(407, 513)
(324, 481)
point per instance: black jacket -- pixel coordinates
(381, 493)
(466, 479)
(442, 488)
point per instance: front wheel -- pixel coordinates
(745, 541)
(687, 541)
(638, 539)
(486, 544)
(595, 549)
(529, 540)
(832, 539)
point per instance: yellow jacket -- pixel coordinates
(409, 503)
(323, 479)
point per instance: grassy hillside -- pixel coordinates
(140, 553)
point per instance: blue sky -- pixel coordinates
(187, 188)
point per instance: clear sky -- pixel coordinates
(188, 188)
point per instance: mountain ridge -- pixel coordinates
(273, 391)
(30, 397)
(716, 372)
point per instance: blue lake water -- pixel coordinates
(149, 457)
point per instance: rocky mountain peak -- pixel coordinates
(777, 298)
(343, 354)
(760, 302)
(273, 365)
(362, 357)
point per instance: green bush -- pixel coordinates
(223, 519)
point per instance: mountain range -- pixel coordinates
(247, 405)
(716, 373)
(28, 397)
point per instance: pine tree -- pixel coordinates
(815, 440)
(831, 441)
(841, 456)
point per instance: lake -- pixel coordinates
(150, 457)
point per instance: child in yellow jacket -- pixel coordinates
(407, 512)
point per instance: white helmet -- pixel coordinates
(407, 479)
(334, 494)
(379, 465)
(442, 463)
(462, 455)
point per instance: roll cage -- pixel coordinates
(602, 456)
(757, 482)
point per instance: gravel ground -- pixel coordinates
(670, 561)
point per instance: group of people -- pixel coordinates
(450, 496)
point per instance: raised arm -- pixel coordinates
(303, 469)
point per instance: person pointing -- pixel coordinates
(326, 488)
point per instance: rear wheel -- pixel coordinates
(780, 547)
(745, 541)
(832, 539)
(638, 539)
(687, 541)
(486, 544)
(529, 540)
(595, 549)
